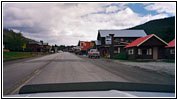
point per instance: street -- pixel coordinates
(67, 68)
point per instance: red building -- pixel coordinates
(84, 45)
(148, 47)
(170, 50)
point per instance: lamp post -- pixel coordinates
(111, 49)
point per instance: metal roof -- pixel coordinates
(171, 44)
(122, 33)
(138, 41)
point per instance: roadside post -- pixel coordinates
(111, 49)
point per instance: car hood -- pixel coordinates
(110, 93)
(96, 89)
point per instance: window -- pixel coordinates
(172, 51)
(119, 50)
(122, 39)
(149, 51)
(131, 51)
(115, 51)
(139, 51)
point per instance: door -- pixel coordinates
(155, 53)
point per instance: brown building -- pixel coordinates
(170, 50)
(38, 47)
(121, 39)
(148, 47)
(33, 46)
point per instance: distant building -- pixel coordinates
(94, 44)
(170, 50)
(46, 47)
(38, 47)
(121, 39)
(148, 47)
(84, 46)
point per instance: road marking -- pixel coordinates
(26, 81)
(18, 85)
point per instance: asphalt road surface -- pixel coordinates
(68, 68)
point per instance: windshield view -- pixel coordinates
(88, 49)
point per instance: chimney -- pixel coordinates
(112, 38)
(111, 49)
(41, 42)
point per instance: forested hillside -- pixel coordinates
(14, 41)
(164, 28)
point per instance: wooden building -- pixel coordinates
(148, 47)
(94, 44)
(38, 47)
(34, 47)
(121, 39)
(170, 50)
(84, 45)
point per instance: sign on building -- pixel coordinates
(108, 40)
(24, 46)
(92, 45)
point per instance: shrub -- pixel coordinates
(29, 49)
(122, 56)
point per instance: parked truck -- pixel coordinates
(93, 53)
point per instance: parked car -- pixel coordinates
(51, 51)
(94, 53)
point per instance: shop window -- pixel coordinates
(149, 51)
(115, 51)
(131, 51)
(119, 50)
(122, 39)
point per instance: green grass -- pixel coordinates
(137, 60)
(169, 61)
(165, 60)
(16, 55)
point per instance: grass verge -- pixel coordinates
(7, 56)
(142, 60)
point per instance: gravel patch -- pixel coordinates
(161, 67)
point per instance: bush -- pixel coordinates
(29, 49)
(122, 56)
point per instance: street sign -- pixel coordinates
(107, 40)
(92, 44)
(24, 46)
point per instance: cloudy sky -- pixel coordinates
(67, 23)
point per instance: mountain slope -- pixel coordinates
(164, 28)
(14, 41)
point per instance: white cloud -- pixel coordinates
(67, 23)
(162, 7)
(111, 9)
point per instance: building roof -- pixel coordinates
(39, 43)
(122, 33)
(171, 44)
(141, 40)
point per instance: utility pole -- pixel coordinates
(111, 49)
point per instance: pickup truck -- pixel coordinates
(93, 53)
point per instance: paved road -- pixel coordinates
(66, 67)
